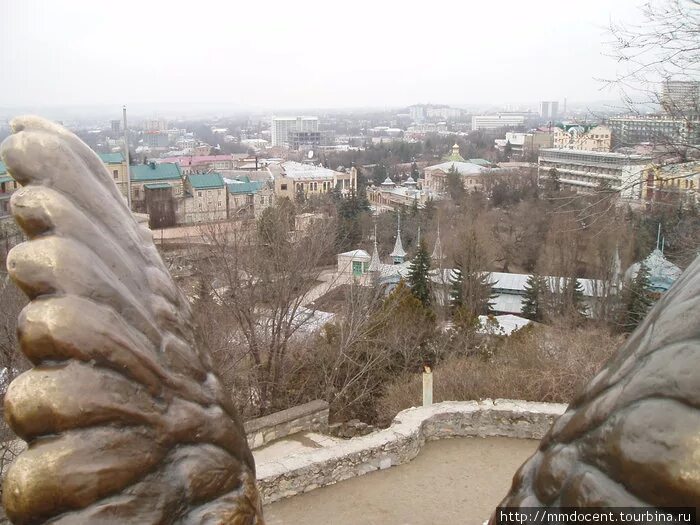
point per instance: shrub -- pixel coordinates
(538, 363)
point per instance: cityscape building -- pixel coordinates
(281, 128)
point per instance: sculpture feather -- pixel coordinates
(125, 420)
(633, 436)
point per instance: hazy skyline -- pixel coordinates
(304, 54)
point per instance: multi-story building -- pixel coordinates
(294, 179)
(501, 120)
(673, 183)
(525, 144)
(282, 126)
(656, 129)
(202, 163)
(115, 126)
(471, 174)
(116, 166)
(248, 197)
(157, 189)
(303, 139)
(205, 198)
(681, 97)
(417, 113)
(598, 138)
(590, 171)
(549, 109)
(155, 139)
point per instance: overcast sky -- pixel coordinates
(297, 54)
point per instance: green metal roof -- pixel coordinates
(111, 158)
(3, 169)
(157, 186)
(480, 162)
(5, 178)
(206, 181)
(163, 171)
(246, 186)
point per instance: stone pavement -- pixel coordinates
(451, 481)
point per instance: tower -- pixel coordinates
(398, 255)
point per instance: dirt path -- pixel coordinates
(452, 481)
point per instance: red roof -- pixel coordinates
(187, 161)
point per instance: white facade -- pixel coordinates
(549, 109)
(282, 126)
(497, 121)
(589, 171)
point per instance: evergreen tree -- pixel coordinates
(469, 285)
(414, 171)
(418, 277)
(577, 303)
(455, 186)
(637, 299)
(553, 185)
(507, 150)
(533, 305)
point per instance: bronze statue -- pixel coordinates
(633, 436)
(125, 419)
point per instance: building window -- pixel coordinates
(116, 174)
(200, 205)
(199, 194)
(283, 187)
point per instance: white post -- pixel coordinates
(126, 156)
(427, 386)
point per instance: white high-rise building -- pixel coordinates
(549, 109)
(502, 120)
(282, 126)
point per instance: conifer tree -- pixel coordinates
(533, 305)
(469, 285)
(578, 304)
(418, 277)
(637, 299)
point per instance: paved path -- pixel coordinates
(452, 481)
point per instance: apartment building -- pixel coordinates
(281, 128)
(598, 138)
(502, 120)
(655, 129)
(294, 179)
(589, 171)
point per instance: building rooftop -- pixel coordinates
(356, 254)
(193, 160)
(111, 158)
(662, 272)
(463, 168)
(601, 154)
(153, 171)
(3, 169)
(243, 185)
(297, 170)
(206, 181)
(158, 186)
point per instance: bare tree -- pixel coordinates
(664, 46)
(264, 280)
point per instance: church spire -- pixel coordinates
(374, 262)
(437, 255)
(399, 255)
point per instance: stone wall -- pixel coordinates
(302, 418)
(402, 441)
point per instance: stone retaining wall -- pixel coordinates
(306, 417)
(402, 441)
